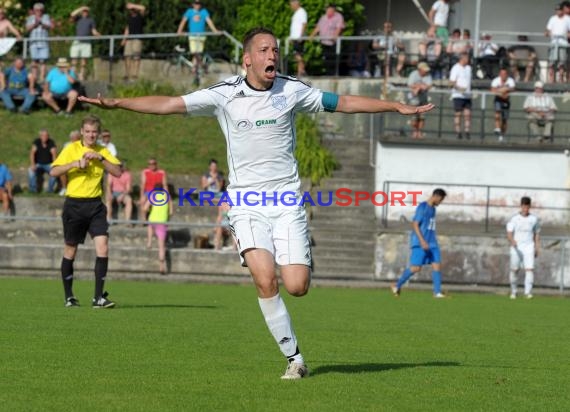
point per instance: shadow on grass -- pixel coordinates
(376, 367)
(166, 306)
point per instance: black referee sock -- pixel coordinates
(67, 276)
(101, 264)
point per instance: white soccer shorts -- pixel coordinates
(522, 254)
(283, 231)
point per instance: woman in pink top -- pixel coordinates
(119, 189)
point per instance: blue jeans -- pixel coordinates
(41, 168)
(7, 94)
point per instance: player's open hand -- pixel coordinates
(100, 101)
(407, 109)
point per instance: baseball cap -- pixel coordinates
(424, 66)
(539, 85)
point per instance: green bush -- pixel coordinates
(314, 161)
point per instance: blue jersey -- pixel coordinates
(425, 216)
(196, 20)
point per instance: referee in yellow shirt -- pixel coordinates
(85, 163)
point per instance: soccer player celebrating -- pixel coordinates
(523, 234)
(84, 162)
(257, 116)
(425, 249)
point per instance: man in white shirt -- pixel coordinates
(502, 86)
(460, 79)
(106, 142)
(257, 116)
(523, 233)
(540, 110)
(438, 18)
(297, 29)
(558, 29)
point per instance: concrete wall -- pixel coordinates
(475, 260)
(453, 167)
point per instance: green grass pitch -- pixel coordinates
(185, 347)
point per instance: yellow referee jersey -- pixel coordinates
(84, 183)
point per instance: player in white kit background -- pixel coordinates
(257, 116)
(523, 233)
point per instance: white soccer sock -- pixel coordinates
(513, 280)
(528, 281)
(279, 324)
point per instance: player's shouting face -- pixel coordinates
(260, 57)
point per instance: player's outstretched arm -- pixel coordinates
(145, 104)
(361, 104)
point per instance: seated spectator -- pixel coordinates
(358, 63)
(42, 155)
(16, 81)
(393, 49)
(430, 49)
(222, 231)
(458, 45)
(540, 110)
(522, 57)
(119, 190)
(5, 188)
(213, 180)
(59, 85)
(488, 59)
(106, 142)
(419, 83)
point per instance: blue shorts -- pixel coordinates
(422, 257)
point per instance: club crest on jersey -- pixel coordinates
(279, 102)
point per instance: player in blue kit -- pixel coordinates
(425, 249)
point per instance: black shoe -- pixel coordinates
(71, 302)
(103, 302)
(459, 136)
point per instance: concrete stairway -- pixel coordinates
(344, 237)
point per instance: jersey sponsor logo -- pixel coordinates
(244, 124)
(279, 102)
(266, 122)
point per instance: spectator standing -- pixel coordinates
(81, 49)
(16, 81)
(263, 162)
(119, 189)
(419, 82)
(59, 86)
(85, 162)
(133, 47)
(558, 29)
(523, 56)
(460, 79)
(390, 51)
(150, 177)
(540, 109)
(158, 217)
(38, 25)
(5, 188)
(6, 26)
(197, 17)
(523, 234)
(329, 27)
(438, 15)
(502, 86)
(105, 141)
(42, 155)
(297, 29)
(213, 180)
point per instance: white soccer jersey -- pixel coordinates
(259, 126)
(523, 228)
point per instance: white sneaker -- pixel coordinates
(395, 290)
(439, 296)
(62, 192)
(513, 296)
(528, 296)
(295, 371)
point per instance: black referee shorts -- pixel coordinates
(81, 216)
